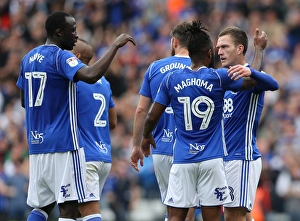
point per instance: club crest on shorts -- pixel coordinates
(221, 193)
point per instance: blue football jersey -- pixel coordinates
(46, 77)
(242, 112)
(94, 102)
(197, 99)
(163, 134)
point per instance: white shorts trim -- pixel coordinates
(242, 177)
(197, 184)
(56, 177)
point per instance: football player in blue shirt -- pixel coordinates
(242, 112)
(47, 80)
(196, 93)
(164, 132)
(97, 115)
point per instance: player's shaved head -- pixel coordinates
(83, 51)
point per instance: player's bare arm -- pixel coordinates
(113, 120)
(260, 43)
(151, 121)
(142, 109)
(91, 74)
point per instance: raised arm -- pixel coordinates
(91, 74)
(260, 43)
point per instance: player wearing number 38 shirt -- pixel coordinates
(197, 176)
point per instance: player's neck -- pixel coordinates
(49, 41)
(182, 52)
(196, 67)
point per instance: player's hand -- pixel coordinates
(260, 39)
(146, 145)
(122, 39)
(238, 71)
(136, 156)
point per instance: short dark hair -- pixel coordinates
(199, 41)
(179, 32)
(56, 20)
(238, 35)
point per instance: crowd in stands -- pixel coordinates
(99, 22)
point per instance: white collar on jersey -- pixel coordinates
(198, 68)
(181, 56)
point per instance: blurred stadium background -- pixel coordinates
(128, 195)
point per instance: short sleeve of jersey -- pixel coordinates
(145, 88)
(20, 81)
(226, 82)
(162, 96)
(68, 64)
(111, 102)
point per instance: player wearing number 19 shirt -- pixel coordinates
(164, 132)
(197, 176)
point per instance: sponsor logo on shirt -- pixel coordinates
(196, 148)
(102, 146)
(167, 136)
(72, 61)
(36, 137)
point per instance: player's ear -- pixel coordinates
(175, 42)
(58, 32)
(210, 53)
(240, 49)
(78, 55)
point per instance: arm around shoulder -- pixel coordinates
(264, 81)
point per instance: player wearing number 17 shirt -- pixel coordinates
(197, 176)
(47, 81)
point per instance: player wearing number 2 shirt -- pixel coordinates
(196, 96)
(95, 116)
